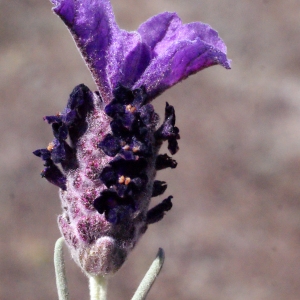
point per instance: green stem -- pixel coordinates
(98, 288)
(98, 284)
(60, 274)
(147, 282)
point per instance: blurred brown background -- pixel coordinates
(234, 231)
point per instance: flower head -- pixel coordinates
(107, 142)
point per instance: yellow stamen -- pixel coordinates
(135, 149)
(127, 180)
(121, 179)
(50, 146)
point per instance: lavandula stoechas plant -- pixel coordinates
(107, 142)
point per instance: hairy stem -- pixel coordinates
(98, 288)
(60, 273)
(147, 282)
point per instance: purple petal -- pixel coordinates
(92, 26)
(112, 55)
(179, 50)
(162, 30)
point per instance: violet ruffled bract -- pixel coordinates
(107, 142)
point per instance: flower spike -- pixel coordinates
(107, 142)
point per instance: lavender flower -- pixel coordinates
(107, 142)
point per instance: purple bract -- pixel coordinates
(107, 142)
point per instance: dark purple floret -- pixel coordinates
(164, 161)
(116, 208)
(109, 176)
(148, 115)
(132, 167)
(71, 122)
(123, 95)
(52, 119)
(107, 200)
(54, 175)
(80, 103)
(44, 154)
(137, 184)
(159, 187)
(118, 128)
(156, 213)
(167, 131)
(114, 108)
(58, 152)
(60, 130)
(110, 145)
